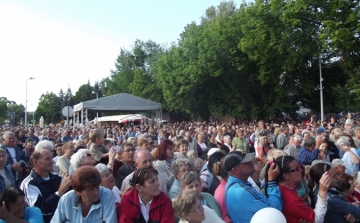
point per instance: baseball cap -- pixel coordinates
(235, 158)
(321, 130)
(337, 162)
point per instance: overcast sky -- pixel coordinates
(66, 43)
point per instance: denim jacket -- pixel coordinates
(69, 208)
(338, 207)
(9, 175)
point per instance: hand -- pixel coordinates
(324, 185)
(273, 172)
(17, 167)
(4, 213)
(350, 218)
(318, 142)
(112, 154)
(64, 186)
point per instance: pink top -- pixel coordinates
(220, 198)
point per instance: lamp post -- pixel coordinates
(320, 86)
(97, 97)
(31, 78)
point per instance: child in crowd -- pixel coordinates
(97, 148)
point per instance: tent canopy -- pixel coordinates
(119, 102)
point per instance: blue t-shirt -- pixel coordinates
(32, 215)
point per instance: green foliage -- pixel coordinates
(19, 112)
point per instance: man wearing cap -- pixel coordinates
(339, 167)
(242, 200)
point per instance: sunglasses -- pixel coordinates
(296, 169)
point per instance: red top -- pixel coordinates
(161, 209)
(294, 208)
(356, 195)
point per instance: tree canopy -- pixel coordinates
(250, 61)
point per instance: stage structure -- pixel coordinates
(119, 102)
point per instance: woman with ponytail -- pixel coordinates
(295, 208)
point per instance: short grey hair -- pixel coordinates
(77, 157)
(226, 137)
(45, 144)
(189, 177)
(175, 166)
(101, 168)
(343, 141)
(297, 137)
(7, 133)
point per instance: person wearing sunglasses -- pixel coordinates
(144, 202)
(295, 208)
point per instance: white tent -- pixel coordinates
(117, 102)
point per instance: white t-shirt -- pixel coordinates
(351, 167)
(116, 193)
(12, 153)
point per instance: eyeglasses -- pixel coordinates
(107, 175)
(129, 150)
(296, 169)
(87, 155)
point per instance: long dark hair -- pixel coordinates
(283, 163)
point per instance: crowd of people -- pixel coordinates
(194, 172)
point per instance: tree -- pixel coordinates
(19, 112)
(84, 93)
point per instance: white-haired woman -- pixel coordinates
(108, 181)
(179, 167)
(351, 157)
(227, 142)
(82, 157)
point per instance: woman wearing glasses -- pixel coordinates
(144, 202)
(295, 208)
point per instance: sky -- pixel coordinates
(65, 43)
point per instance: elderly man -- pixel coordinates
(127, 161)
(294, 148)
(142, 159)
(241, 197)
(42, 188)
(48, 145)
(310, 151)
(16, 159)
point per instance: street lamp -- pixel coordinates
(31, 78)
(97, 96)
(320, 87)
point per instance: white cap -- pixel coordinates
(212, 151)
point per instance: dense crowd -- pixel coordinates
(182, 172)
